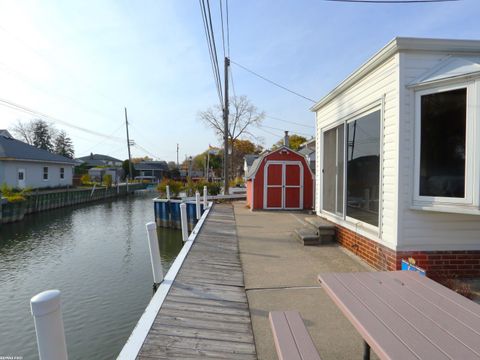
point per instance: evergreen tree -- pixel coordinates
(42, 135)
(63, 145)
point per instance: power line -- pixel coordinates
(228, 29)
(393, 1)
(269, 132)
(212, 49)
(47, 92)
(105, 140)
(272, 82)
(223, 34)
(27, 110)
(290, 122)
(275, 128)
(56, 64)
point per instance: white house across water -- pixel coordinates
(398, 154)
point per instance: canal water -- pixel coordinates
(97, 256)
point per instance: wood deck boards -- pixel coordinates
(205, 314)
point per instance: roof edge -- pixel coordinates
(394, 46)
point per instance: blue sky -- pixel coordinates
(83, 61)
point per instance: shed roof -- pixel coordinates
(92, 157)
(256, 164)
(250, 158)
(151, 165)
(12, 149)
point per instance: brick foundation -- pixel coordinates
(438, 264)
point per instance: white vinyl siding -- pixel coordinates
(420, 229)
(379, 86)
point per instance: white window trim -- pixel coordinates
(371, 108)
(471, 199)
(43, 173)
(62, 178)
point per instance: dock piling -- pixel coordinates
(46, 309)
(183, 218)
(197, 205)
(205, 195)
(154, 254)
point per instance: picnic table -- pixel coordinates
(402, 315)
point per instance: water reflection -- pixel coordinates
(97, 255)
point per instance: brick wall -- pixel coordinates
(438, 264)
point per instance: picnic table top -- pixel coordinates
(403, 315)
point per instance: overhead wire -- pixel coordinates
(275, 128)
(289, 122)
(212, 49)
(272, 82)
(44, 116)
(228, 29)
(393, 1)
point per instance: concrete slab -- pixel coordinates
(281, 274)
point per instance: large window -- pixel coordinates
(443, 124)
(363, 164)
(333, 157)
(351, 168)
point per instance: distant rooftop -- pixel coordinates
(12, 149)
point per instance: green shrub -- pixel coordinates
(13, 195)
(214, 188)
(107, 180)
(175, 187)
(238, 181)
(85, 179)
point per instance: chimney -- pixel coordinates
(286, 140)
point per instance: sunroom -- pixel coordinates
(398, 145)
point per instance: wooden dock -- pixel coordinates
(205, 314)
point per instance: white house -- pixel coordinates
(23, 165)
(398, 143)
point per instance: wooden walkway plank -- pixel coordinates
(205, 314)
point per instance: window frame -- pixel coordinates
(62, 173)
(471, 149)
(45, 173)
(378, 105)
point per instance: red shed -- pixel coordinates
(280, 180)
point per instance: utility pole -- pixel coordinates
(128, 145)
(178, 164)
(225, 130)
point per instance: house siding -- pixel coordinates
(423, 230)
(34, 174)
(379, 85)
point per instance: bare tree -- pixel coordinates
(242, 116)
(24, 131)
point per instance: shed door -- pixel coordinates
(274, 185)
(283, 185)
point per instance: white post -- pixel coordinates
(197, 205)
(154, 253)
(167, 190)
(183, 218)
(47, 315)
(205, 197)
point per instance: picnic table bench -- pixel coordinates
(402, 315)
(292, 340)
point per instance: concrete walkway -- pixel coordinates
(280, 274)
